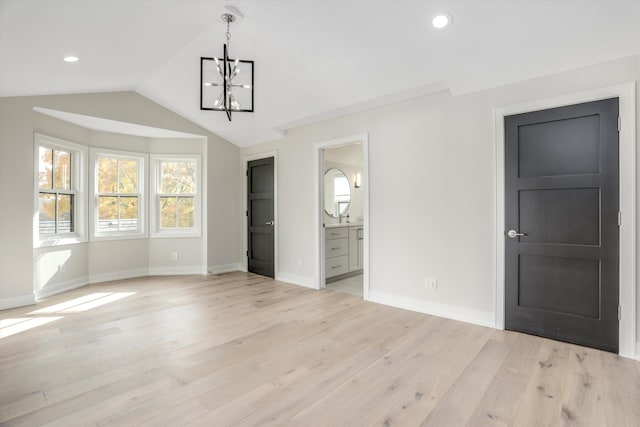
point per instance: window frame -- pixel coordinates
(155, 184)
(78, 189)
(142, 159)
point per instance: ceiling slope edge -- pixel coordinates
(113, 126)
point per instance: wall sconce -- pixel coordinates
(358, 183)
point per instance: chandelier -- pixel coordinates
(226, 84)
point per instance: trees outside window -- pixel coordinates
(59, 192)
(55, 196)
(119, 183)
(177, 195)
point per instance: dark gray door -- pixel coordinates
(561, 192)
(260, 219)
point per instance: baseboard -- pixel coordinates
(175, 271)
(343, 276)
(434, 309)
(118, 275)
(14, 302)
(58, 288)
(307, 282)
(224, 268)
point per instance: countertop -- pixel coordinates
(344, 224)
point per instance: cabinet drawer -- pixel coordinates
(336, 265)
(336, 247)
(336, 233)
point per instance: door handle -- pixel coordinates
(270, 222)
(513, 234)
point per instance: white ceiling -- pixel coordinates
(313, 59)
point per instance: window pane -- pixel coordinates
(186, 212)
(178, 177)
(128, 213)
(47, 213)
(45, 171)
(107, 213)
(65, 213)
(61, 170)
(107, 175)
(168, 212)
(128, 176)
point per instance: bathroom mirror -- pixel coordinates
(337, 193)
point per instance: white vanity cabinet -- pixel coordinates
(356, 238)
(336, 251)
(342, 249)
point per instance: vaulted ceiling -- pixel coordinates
(314, 59)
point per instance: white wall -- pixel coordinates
(18, 122)
(65, 267)
(432, 191)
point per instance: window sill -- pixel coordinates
(175, 234)
(60, 241)
(118, 236)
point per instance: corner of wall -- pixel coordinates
(307, 282)
(58, 288)
(224, 268)
(118, 275)
(14, 302)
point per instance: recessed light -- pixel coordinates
(71, 59)
(441, 21)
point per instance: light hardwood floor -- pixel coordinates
(242, 350)
(351, 285)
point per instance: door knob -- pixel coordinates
(513, 234)
(270, 222)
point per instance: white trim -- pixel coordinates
(14, 302)
(441, 310)
(307, 282)
(118, 275)
(224, 268)
(319, 185)
(175, 271)
(154, 230)
(61, 287)
(204, 207)
(276, 226)
(627, 94)
(78, 183)
(143, 199)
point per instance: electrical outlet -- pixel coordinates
(431, 283)
(174, 256)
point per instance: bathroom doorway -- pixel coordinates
(343, 215)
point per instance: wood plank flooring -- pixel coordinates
(242, 350)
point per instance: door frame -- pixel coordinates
(627, 95)
(245, 235)
(319, 184)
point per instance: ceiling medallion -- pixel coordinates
(226, 84)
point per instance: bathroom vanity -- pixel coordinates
(343, 249)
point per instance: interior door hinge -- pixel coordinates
(619, 124)
(247, 171)
(619, 312)
(619, 219)
(247, 254)
(246, 213)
